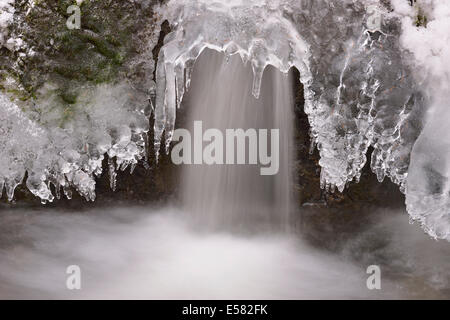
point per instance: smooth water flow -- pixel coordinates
(237, 195)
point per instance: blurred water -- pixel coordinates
(127, 253)
(156, 254)
(232, 195)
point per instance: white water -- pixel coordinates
(144, 253)
(125, 253)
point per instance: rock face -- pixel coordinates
(104, 49)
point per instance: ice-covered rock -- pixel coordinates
(428, 187)
(70, 154)
(80, 90)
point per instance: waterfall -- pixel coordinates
(221, 97)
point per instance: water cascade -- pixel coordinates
(221, 97)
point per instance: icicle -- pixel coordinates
(160, 116)
(85, 184)
(257, 79)
(10, 186)
(36, 184)
(67, 191)
(92, 195)
(57, 190)
(180, 85)
(170, 105)
(12, 183)
(112, 174)
(244, 58)
(312, 144)
(124, 165)
(145, 137)
(403, 188)
(189, 69)
(322, 179)
(380, 174)
(132, 167)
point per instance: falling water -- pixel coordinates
(221, 97)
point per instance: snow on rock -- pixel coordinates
(6, 16)
(428, 187)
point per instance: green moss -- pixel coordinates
(20, 94)
(101, 45)
(113, 40)
(69, 97)
(421, 20)
(92, 24)
(73, 59)
(63, 5)
(67, 71)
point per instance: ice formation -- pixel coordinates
(427, 194)
(359, 84)
(358, 91)
(54, 147)
(370, 75)
(257, 31)
(71, 154)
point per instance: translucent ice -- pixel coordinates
(257, 31)
(358, 91)
(360, 81)
(70, 155)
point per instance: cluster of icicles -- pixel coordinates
(359, 89)
(61, 158)
(358, 92)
